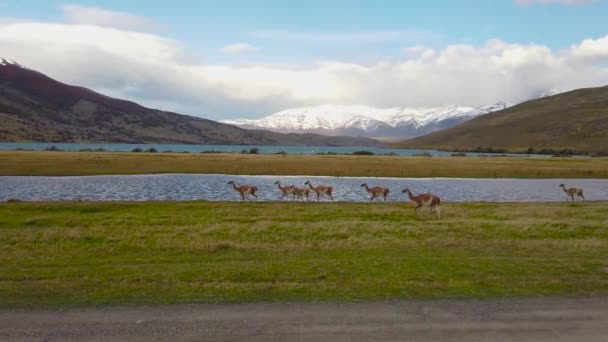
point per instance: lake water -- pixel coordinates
(181, 187)
(222, 148)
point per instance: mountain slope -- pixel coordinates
(575, 120)
(366, 121)
(34, 107)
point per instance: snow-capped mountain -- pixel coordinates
(366, 121)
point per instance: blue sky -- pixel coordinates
(342, 45)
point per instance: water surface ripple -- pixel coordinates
(182, 187)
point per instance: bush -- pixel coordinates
(459, 154)
(254, 150)
(423, 154)
(363, 153)
(137, 149)
(13, 200)
(151, 150)
(281, 152)
(53, 148)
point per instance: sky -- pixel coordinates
(230, 59)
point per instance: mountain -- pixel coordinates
(366, 121)
(34, 107)
(576, 120)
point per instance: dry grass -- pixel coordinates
(65, 254)
(85, 163)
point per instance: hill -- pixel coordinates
(575, 120)
(36, 108)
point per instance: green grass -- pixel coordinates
(79, 254)
(97, 163)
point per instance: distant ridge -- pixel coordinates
(575, 120)
(36, 108)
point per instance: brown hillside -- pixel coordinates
(37, 108)
(576, 120)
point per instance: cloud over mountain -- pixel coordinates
(161, 72)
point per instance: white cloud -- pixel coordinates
(552, 2)
(81, 15)
(159, 72)
(359, 37)
(237, 48)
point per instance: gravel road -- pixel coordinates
(545, 319)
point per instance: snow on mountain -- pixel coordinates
(4, 61)
(366, 121)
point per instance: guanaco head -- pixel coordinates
(231, 182)
(277, 183)
(363, 185)
(405, 190)
(307, 183)
(562, 186)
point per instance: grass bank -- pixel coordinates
(78, 254)
(97, 163)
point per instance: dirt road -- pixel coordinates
(547, 319)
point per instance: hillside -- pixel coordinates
(576, 120)
(36, 108)
(366, 121)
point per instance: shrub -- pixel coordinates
(363, 153)
(423, 154)
(137, 149)
(13, 200)
(459, 154)
(151, 150)
(254, 150)
(53, 148)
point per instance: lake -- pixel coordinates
(223, 148)
(182, 187)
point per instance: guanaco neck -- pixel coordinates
(234, 186)
(410, 196)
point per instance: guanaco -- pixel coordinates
(571, 192)
(301, 192)
(376, 191)
(244, 190)
(286, 190)
(321, 190)
(424, 200)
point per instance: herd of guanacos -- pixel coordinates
(426, 200)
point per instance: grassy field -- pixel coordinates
(76, 254)
(95, 163)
